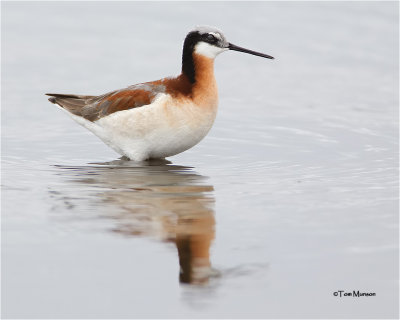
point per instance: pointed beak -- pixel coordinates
(237, 48)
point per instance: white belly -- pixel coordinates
(159, 130)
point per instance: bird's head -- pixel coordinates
(210, 42)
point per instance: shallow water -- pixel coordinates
(291, 197)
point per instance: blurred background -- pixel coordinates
(291, 197)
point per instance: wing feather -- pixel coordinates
(94, 108)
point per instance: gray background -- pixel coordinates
(300, 169)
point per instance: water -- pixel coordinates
(291, 197)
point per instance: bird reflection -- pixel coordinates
(157, 199)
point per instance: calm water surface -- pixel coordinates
(291, 197)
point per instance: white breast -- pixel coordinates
(161, 129)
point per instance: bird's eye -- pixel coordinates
(211, 38)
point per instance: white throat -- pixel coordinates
(207, 50)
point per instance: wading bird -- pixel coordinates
(161, 118)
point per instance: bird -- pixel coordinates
(162, 118)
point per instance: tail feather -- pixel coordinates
(74, 96)
(71, 102)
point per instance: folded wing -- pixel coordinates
(94, 108)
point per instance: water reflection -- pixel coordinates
(158, 199)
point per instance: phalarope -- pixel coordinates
(161, 118)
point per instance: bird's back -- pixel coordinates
(93, 108)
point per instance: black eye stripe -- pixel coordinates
(210, 38)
